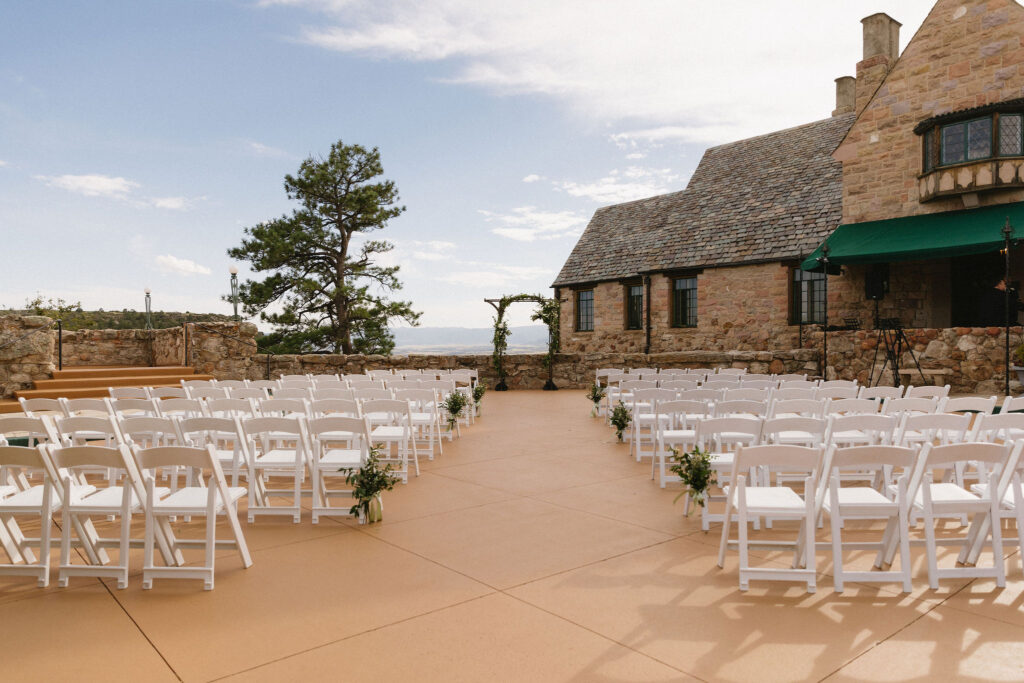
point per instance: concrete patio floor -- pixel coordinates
(534, 549)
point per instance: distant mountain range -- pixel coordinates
(467, 340)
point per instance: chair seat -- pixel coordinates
(342, 457)
(194, 498)
(981, 490)
(33, 497)
(772, 499)
(851, 436)
(388, 432)
(110, 498)
(7, 490)
(946, 492)
(720, 460)
(325, 437)
(673, 435)
(858, 496)
(794, 436)
(277, 456)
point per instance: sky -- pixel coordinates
(138, 139)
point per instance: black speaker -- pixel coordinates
(876, 281)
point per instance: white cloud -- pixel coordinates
(2, 163)
(487, 276)
(261, 150)
(92, 185)
(172, 203)
(635, 182)
(167, 263)
(528, 224)
(532, 178)
(636, 155)
(714, 70)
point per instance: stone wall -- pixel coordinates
(967, 53)
(108, 347)
(970, 360)
(224, 350)
(526, 371)
(26, 351)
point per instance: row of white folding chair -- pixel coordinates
(916, 493)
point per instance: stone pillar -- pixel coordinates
(846, 95)
(27, 352)
(881, 49)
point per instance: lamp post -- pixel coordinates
(824, 326)
(1007, 237)
(149, 311)
(234, 289)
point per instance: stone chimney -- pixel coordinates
(846, 95)
(881, 49)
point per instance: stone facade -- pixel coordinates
(26, 351)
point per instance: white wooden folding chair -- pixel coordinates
(747, 503)
(38, 407)
(846, 431)
(86, 407)
(391, 426)
(797, 384)
(852, 406)
(129, 392)
(939, 428)
(722, 436)
(972, 404)
(159, 393)
(849, 502)
(206, 392)
(284, 407)
(927, 392)
(248, 393)
(796, 407)
(39, 502)
(741, 407)
(300, 393)
(791, 377)
(212, 500)
(225, 435)
(426, 417)
(900, 406)
(880, 393)
(644, 423)
(277, 446)
(836, 392)
(677, 428)
(121, 407)
(748, 393)
(232, 383)
(788, 394)
(322, 393)
(340, 444)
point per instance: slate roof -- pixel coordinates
(770, 198)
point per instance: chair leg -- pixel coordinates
(999, 563)
(929, 538)
(837, 547)
(44, 536)
(236, 529)
(741, 522)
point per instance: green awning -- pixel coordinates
(916, 238)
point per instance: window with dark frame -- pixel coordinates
(585, 311)
(808, 305)
(986, 137)
(684, 302)
(634, 307)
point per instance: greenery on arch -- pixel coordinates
(548, 312)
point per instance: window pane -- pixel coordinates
(684, 302)
(954, 143)
(929, 146)
(585, 311)
(634, 307)
(979, 139)
(808, 297)
(1010, 135)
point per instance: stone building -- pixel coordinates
(911, 181)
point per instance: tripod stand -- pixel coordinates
(891, 335)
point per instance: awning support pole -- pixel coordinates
(824, 327)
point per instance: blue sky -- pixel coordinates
(137, 139)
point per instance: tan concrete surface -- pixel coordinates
(533, 549)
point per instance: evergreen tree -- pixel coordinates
(332, 294)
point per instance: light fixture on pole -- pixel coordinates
(234, 289)
(149, 311)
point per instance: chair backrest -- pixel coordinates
(926, 392)
(85, 406)
(288, 384)
(894, 406)
(294, 378)
(1003, 457)
(362, 382)
(207, 392)
(268, 407)
(128, 392)
(797, 384)
(356, 429)
(868, 456)
(643, 371)
(755, 384)
(881, 392)
(731, 371)
(34, 407)
(198, 383)
(273, 424)
(200, 431)
(634, 384)
(748, 394)
(787, 394)
(144, 406)
(380, 374)
(248, 393)
(232, 383)
(146, 431)
(328, 382)
(336, 406)
(710, 431)
(398, 411)
(757, 377)
(852, 406)
(741, 407)
(80, 427)
(950, 427)
(182, 407)
(879, 428)
(333, 392)
(602, 374)
(34, 458)
(369, 394)
(973, 404)
(167, 392)
(39, 428)
(702, 394)
(265, 384)
(422, 399)
(1003, 426)
(69, 457)
(673, 372)
(814, 427)
(791, 377)
(678, 384)
(682, 412)
(836, 393)
(781, 456)
(230, 407)
(832, 383)
(797, 406)
(652, 396)
(293, 392)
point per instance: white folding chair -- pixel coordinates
(129, 392)
(796, 407)
(225, 435)
(277, 446)
(88, 407)
(927, 392)
(852, 406)
(749, 502)
(941, 428)
(677, 428)
(741, 407)
(836, 392)
(38, 407)
(881, 392)
(167, 392)
(123, 407)
(39, 502)
(788, 394)
(898, 406)
(972, 404)
(748, 393)
(212, 500)
(426, 417)
(644, 424)
(232, 383)
(300, 393)
(248, 393)
(206, 392)
(391, 426)
(791, 377)
(721, 437)
(861, 430)
(340, 444)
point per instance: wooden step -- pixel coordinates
(151, 380)
(8, 406)
(95, 390)
(87, 371)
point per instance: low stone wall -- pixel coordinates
(527, 371)
(108, 347)
(26, 351)
(969, 359)
(224, 350)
